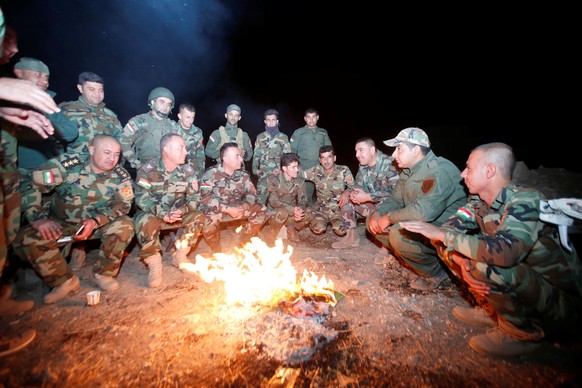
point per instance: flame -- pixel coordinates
(183, 242)
(259, 274)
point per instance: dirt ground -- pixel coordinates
(380, 333)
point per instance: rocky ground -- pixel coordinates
(380, 332)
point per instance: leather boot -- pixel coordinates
(351, 239)
(62, 291)
(292, 234)
(180, 256)
(78, 257)
(154, 263)
(107, 283)
(10, 306)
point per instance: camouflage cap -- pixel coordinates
(26, 63)
(411, 135)
(233, 107)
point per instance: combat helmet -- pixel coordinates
(161, 92)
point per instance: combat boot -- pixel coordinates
(180, 256)
(62, 291)
(107, 283)
(154, 263)
(351, 239)
(497, 343)
(292, 234)
(10, 306)
(78, 257)
(473, 316)
(430, 283)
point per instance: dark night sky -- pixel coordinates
(466, 76)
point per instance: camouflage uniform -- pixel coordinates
(282, 197)
(378, 181)
(10, 198)
(430, 191)
(159, 191)
(231, 134)
(91, 120)
(267, 157)
(141, 137)
(536, 284)
(80, 194)
(194, 139)
(219, 190)
(329, 188)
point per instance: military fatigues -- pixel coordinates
(80, 194)
(219, 190)
(306, 142)
(141, 137)
(430, 191)
(9, 189)
(267, 158)
(378, 181)
(229, 134)
(536, 285)
(282, 197)
(194, 139)
(91, 120)
(159, 191)
(329, 188)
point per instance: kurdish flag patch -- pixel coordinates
(144, 183)
(205, 187)
(48, 177)
(212, 138)
(465, 213)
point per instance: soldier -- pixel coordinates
(167, 197)
(92, 192)
(512, 262)
(228, 134)
(140, 141)
(229, 194)
(333, 184)
(306, 142)
(33, 150)
(90, 113)
(269, 146)
(92, 118)
(374, 181)
(193, 137)
(286, 201)
(428, 189)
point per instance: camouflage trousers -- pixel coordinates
(262, 189)
(325, 215)
(255, 215)
(149, 226)
(10, 201)
(279, 217)
(48, 262)
(413, 248)
(351, 211)
(528, 306)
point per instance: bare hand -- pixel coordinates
(344, 198)
(174, 215)
(427, 230)
(25, 92)
(359, 196)
(378, 223)
(298, 213)
(28, 117)
(88, 227)
(48, 229)
(476, 286)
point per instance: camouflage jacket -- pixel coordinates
(80, 193)
(91, 120)
(215, 141)
(141, 137)
(285, 194)
(509, 233)
(330, 187)
(378, 180)
(157, 191)
(430, 191)
(268, 151)
(8, 146)
(305, 142)
(194, 139)
(218, 189)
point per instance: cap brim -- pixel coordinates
(392, 143)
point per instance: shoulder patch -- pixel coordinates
(121, 172)
(71, 162)
(465, 213)
(149, 166)
(127, 192)
(188, 169)
(427, 185)
(144, 183)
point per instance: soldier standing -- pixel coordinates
(306, 142)
(167, 196)
(332, 183)
(230, 133)
(286, 201)
(140, 141)
(228, 193)
(375, 180)
(269, 146)
(193, 137)
(91, 191)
